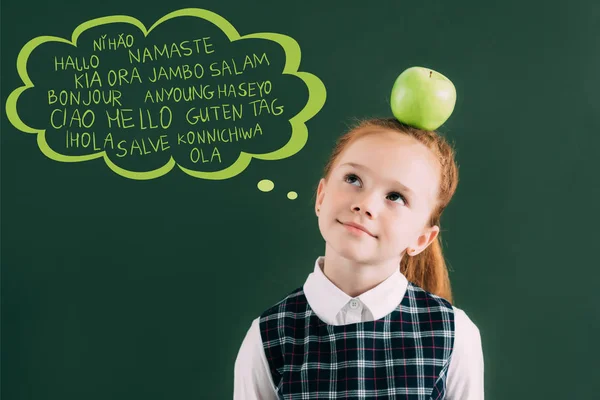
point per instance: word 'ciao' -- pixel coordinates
(145, 119)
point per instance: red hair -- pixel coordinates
(427, 269)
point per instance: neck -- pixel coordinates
(355, 277)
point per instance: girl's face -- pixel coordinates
(387, 183)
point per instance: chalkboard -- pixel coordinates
(160, 162)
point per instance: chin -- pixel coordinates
(337, 242)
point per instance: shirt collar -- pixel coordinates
(327, 300)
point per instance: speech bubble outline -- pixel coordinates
(316, 96)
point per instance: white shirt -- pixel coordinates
(252, 377)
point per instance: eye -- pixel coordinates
(397, 196)
(351, 178)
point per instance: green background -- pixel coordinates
(114, 288)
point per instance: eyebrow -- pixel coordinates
(404, 187)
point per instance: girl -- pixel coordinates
(375, 317)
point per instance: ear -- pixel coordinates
(426, 238)
(320, 195)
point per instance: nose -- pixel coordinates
(366, 204)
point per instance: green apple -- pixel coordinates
(423, 98)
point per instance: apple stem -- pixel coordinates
(430, 74)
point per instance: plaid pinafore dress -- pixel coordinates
(404, 355)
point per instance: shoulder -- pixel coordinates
(251, 351)
(466, 329)
(291, 298)
(430, 299)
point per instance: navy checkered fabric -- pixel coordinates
(404, 355)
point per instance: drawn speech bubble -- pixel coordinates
(110, 146)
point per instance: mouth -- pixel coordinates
(357, 226)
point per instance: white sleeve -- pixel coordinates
(465, 372)
(252, 377)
